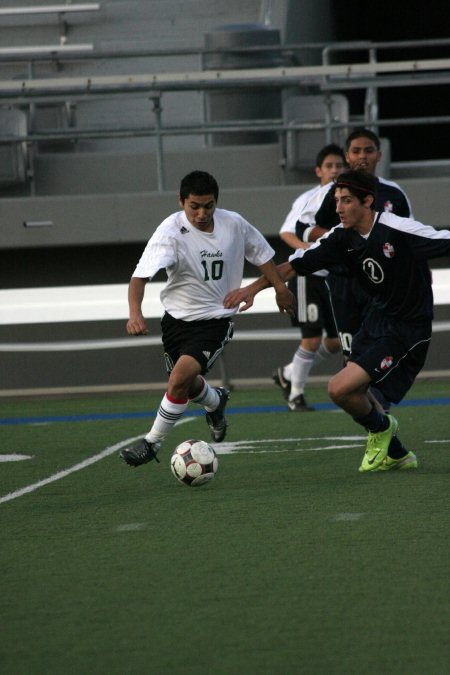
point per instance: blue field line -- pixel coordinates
(97, 417)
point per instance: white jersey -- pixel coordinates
(385, 187)
(202, 267)
(297, 208)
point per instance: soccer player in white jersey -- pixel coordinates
(319, 338)
(388, 255)
(203, 249)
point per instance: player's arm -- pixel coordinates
(283, 296)
(136, 323)
(247, 294)
(306, 227)
(427, 242)
(309, 233)
(292, 240)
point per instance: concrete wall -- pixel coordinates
(131, 217)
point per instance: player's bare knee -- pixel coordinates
(178, 385)
(337, 390)
(333, 345)
(312, 344)
(333, 389)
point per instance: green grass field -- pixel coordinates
(289, 562)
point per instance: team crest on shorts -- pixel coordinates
(386, 363)
(388, 250)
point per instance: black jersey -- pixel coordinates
(390, 264)
(389, 197)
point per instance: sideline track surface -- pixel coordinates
(95, 417)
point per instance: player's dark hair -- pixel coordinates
(198, 183)
(362, 132)
(330, 149)
(359, 183)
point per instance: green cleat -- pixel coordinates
(377, 446)
(409, 461)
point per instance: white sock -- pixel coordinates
(287, 371)
(208, 397)
(322, 354)
(301, 366)
(169, 412)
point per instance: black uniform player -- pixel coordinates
(362, 152)
(388, 257)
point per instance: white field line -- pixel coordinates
(77, 467)
(254, 446)
(14, 458)
(247, 446)
(62, 474)
(346, 517)
(244, 451)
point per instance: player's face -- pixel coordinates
(199, 210)
(363, 155)
(351, 212)
(331, 167)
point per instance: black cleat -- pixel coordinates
(298, 404)
(282, 382)
(140, 453)
(216, 419)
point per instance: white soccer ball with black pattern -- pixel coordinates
(194, 463)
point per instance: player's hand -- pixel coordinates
(136, 325)
(236, 297)
(285, 300)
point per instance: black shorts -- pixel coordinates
(391, 352)
(314, 312)
(204, 340)
(350, 304)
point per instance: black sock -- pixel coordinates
(382, 400)
(374, 421)
(396, 448)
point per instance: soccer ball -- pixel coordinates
(194, 462)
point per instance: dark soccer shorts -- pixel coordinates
(349, 304)
(314, 312)
(204, 340)
(391, 352)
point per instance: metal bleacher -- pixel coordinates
(102, 90)
(310, 111)
(151, 135)
(17, 157)
(61, 12)
(13, 155)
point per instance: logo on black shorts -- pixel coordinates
(386, 363)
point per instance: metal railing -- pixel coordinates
(369, 76)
